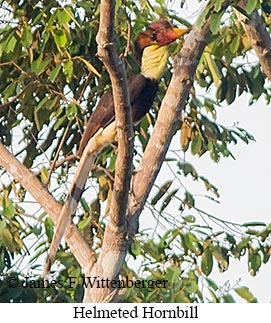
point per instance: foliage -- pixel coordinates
(51, 80)
(185, 258)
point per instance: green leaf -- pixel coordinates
(60, 38)
(41, 103)
(173, 274)
(3, 224)
(251, 6)
(95, 209)
(254, 224)
(49, 228)
(254, 262)
(50, 24)
(89, 66)
(188, 168)
(43, 174)
(212, 66)
(27, 36)
(235, 43)
(84, 223)
(54, 72)
(68, 69)
(222, 257)
(36, 229)
(248, 135)
(38, 18)
(162, 191)
(230, 238)
(222, 90)
(78, 293)
(196, 144)
(203, 16)
(207, 262)
(213, 295)
(9, 90)
(6, 237)
(39, 65)
(189, 199)
(218, 5)
(215, 21)
(51, 103)
(210, 186)
(85, 205)
(231, 90)
(71, 111)
(241, 248)
(189, 218)
(192, 243)
(168, 199)
(135, 248)
(8, 207)
(212, 284)
(63, 15)
(191, 287)
(59, 122)
(245, 293)
(228, 298)
(10, 45)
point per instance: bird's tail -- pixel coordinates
(103, 138)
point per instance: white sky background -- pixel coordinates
(244, 183)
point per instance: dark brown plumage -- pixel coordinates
(142, 93)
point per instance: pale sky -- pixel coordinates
(244, 184)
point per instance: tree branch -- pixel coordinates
(114, 246)
(78, 246)
(116, 69)
(259, 37)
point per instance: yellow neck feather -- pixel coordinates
(154, 60)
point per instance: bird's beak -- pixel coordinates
(181, 31)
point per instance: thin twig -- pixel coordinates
(129, 32)
(57, 153)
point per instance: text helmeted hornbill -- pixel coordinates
(152, 52)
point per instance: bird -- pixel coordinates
(151, 51)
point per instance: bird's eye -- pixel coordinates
(153, 36)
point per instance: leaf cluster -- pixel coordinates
(187, 256)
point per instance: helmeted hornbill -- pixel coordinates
(152, 52)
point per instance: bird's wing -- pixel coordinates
(142, 93)
(100, 118)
